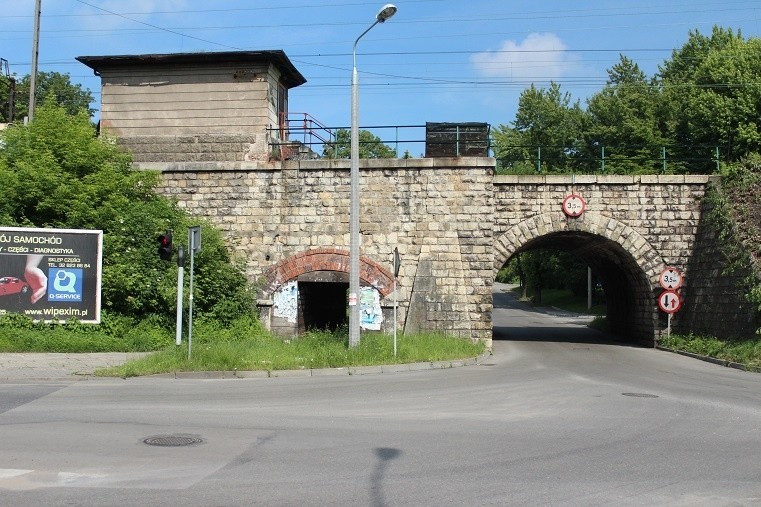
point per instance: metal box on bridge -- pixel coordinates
(456, 139)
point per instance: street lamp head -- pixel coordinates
(386, 12)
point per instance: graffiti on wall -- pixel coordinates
(371, 316)
(285, 302)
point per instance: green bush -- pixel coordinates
(57, 173)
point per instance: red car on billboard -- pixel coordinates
(11, 285)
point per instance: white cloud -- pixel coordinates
(145, 8)
(540, 56)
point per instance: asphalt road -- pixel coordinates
(558, 415)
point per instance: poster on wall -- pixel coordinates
(370, 314)
(51, 274)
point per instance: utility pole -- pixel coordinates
(35, 54)
(11, 88)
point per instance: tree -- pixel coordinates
(51, 87)
(370, 146)
(547, 269)
(713, 87)
(624, 120)
(57, 173)
(547, 129)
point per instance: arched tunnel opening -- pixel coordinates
(629, 301)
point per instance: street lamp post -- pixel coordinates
(386, 12)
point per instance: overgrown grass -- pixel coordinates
(745, 351)
(116, 334)
(242, 345)
(313, 350)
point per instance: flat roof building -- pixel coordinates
(196, 107)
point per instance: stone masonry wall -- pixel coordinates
(438, 212)
(664, 210)
(717, 305)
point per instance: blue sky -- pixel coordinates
(435, 60)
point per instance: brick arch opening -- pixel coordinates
(326, 260)
(625, 263)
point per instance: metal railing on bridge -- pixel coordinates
(302, 136)
(534, 159)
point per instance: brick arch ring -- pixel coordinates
(326, 259)
(643, 253)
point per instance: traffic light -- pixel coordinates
(165, 246)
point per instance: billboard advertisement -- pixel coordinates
(51, 274)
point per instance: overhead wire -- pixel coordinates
(409, 82)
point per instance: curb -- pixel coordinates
(320, 372)
(712, 360)
(323, 372)
(81, 375)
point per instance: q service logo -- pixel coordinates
(65, 285)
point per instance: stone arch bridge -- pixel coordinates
(455, 224)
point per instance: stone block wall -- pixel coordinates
(715, 301)
(437, 212)
(664, 210)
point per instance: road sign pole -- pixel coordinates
(394, 316)
(194, 243)
(397, 263)
(180, 286)
(668, 327)
(190, 301)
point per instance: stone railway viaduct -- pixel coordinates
(455, 224)
(214, 125)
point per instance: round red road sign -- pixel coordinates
(669, 301)
(670, 279)
(574, 205)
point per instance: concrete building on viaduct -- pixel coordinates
(215, 126)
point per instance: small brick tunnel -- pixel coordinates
(310, 289)
(631, 313)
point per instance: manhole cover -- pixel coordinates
(640, 395)
(173, 440)
(487, 364)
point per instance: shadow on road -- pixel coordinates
(515, 320)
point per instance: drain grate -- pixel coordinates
(640, 395)
(173, 440)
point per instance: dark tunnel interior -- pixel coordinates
(630, 301)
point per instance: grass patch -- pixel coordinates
(243, 345)
(115, 334)
(313, 350)
(745, 351)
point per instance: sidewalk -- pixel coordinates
(48, 366)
